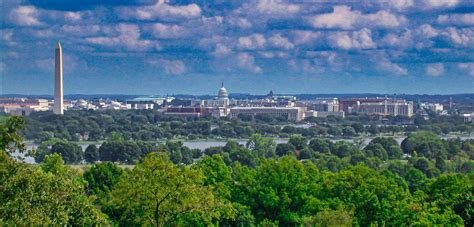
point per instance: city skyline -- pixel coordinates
(181, 47)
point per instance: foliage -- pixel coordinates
(51, 195)
(9, 138)
(91, 154)
(156, 192)
(102, 177)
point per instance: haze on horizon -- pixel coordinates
(181, 47)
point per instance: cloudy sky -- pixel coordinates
(189, 47)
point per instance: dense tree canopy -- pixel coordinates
(295, 183)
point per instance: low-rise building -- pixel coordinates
(313, 113)
(385, 108)
(290, 113)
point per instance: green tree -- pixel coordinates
(10, 141)
(320, 145)
(278, 190)
(52, 194)
(298, 142)
(375, 198)
(91, 154)
(283, 149)
(102, 177)
(454, 191)
(263, 146)
(156, 192)
(426, 144)
(390, 145)
(70, 152)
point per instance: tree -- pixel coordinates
(348, 131)
(454, 191)
(283, 149)
(70, 152)
(280, 190)
(426, 144)
(328, 217)
(263, 146)
(52, 194)
(91, 154)
(320, 145)
(376, 150)
(390, 145)
(156, 192)
(298, 142)
(375, 198)
(10, 141)
(102, 177)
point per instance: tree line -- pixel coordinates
(150, 125)
(228, 187)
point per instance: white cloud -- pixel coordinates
(25, 16)
(72, 16)
(392, 68)
(352, 40)
(252, 42)
(466, 19)
(398, 4)
(81, 30)
(440, 3)
(161, 10)
(247, 62)
(304, 36)
(7, 37)
(459, 37)
(165, 31)
(240, 22)
(401, 41)
(273, 7)
(386, 65)
(128, 37)
(279, 41)
(273, 54)
(344, 18)
(434, 69)
(171, 67)
(221, 50)
(468, 67)
(427, 31)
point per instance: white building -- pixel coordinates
(385, 108)
(435, 107)
(313, 113)
(290, 113)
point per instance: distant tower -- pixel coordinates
(58, 81)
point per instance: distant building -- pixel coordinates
(385, 108)
(145, 103)
(313, 113)
(188, 112)
(467, 117)
(346, 104)
(324, 105)
(24, 107)
(435, 107)
(290, 113)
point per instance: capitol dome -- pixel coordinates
(222, 94)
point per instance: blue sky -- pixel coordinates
(189, 47)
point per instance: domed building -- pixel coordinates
(222, 99)
(222, 94)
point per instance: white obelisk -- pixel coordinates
(58, 81)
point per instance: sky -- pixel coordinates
(158, 47)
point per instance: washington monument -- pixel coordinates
(58, 81)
